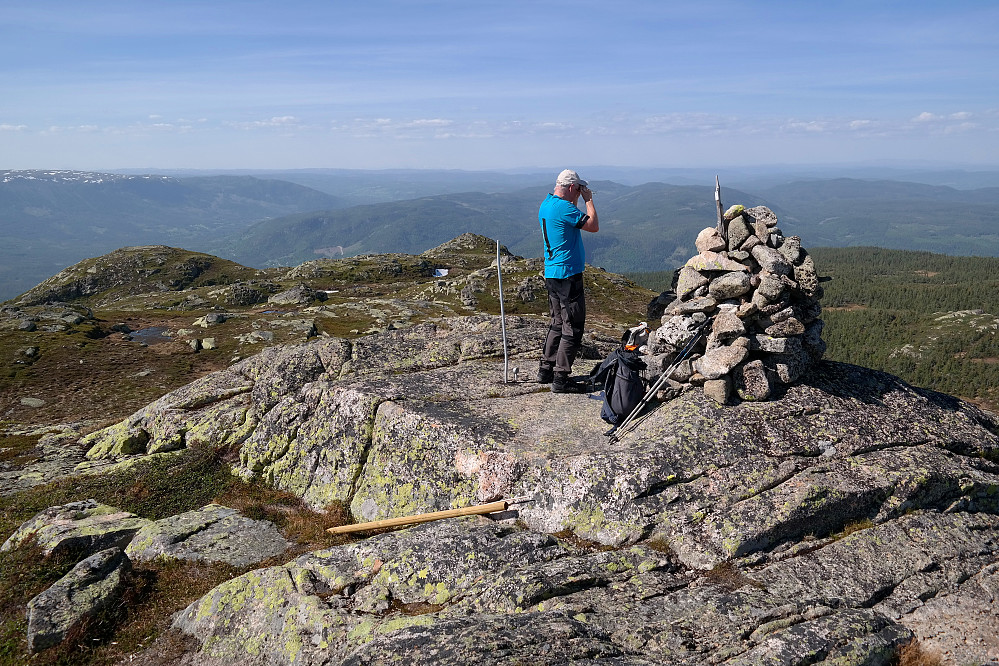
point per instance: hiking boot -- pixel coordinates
(563, 383)
(545, 375)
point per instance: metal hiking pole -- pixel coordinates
(663, 378)
(499, 277)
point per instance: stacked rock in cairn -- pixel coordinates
(761, 292)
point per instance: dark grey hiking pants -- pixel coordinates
(568, 311)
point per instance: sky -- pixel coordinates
(372, 84)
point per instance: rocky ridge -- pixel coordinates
(842, 509)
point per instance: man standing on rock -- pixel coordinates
(561, 221)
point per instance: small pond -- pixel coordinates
(152, 335)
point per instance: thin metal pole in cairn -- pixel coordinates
(499, 276)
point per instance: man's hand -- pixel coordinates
(592, 224)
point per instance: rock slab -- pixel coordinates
(213, 533)
(89, 588)
(84, 527)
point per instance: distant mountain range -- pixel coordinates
(642, 228)
(647, 227)
(51, 219)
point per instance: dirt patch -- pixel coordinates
(75, 377)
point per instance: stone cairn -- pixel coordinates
(762, 293)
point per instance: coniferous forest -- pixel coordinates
(931, 319)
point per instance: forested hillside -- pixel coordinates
(883, 213)
(931, 319)
(641, 227)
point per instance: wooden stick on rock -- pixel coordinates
(479, 509)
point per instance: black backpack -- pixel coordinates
(620, 374)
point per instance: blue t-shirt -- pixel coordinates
(563, 243)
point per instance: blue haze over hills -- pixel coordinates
(649, 217)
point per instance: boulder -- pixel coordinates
(774, 345)
(812, 339)
(788, 326)
(718, 390)
(673, 335)
(733, 212)
(298, 295)
(90, 588)
(791, 249)
(730, 285)
(726, 326)
(693, 306)
(212, 533)
(771, 260)
(761, 215)
(709, 240)
(771, 287)
(713, 261)
(688, 282)
(789, 365)
(56, 457)
(751, 381)
(79, 527)
(738, 233)
(242, 295)
(720, 361)
(806, 277)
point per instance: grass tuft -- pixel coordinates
(914, 654)
(728, 576)
(854, 527)
(296, 520)
(660, 545)
(582, 544)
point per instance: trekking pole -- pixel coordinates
(499, 277)
(689, 347)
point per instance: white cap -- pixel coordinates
(569, 177)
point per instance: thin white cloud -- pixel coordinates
(961, 127)
(286, 122)
(59, 129)
(630, 125)
(13, 128)
(429, 122)
(683, 122)
(410, 127)
(553, 127)
(808, 126)
(926, 117)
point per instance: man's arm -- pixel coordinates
(593, 223)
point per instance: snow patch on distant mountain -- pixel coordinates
(62, 176)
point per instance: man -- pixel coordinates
(561, 221)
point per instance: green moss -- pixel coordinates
(405, 622)
(362, 632)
